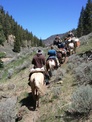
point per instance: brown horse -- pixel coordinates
(61, 55)
(37, 86)
(72, 45)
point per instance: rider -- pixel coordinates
(62, 49)
(39, 62)
(53, 55)
(61, 44)
(56, 41)
(70, 34)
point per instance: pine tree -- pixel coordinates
(85, 20)
(2, 37)
(88, 18)
(7, 25)
(16, 45)
(10, 26)
(17, 41)
(80, 23)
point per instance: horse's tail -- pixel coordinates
(47, 65)
(41, 88)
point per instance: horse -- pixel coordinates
(61, 55)
(50, 66)
(70, 46)
(74, 44)
(37, 86)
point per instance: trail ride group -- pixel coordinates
(41, 73)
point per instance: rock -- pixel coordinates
(7, 110)
(60, 82)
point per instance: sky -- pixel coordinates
(45, 18)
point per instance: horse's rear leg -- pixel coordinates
(34, 100)
(37, 98)
(50, 73)
(37, 103)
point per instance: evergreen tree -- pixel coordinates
(2, 15)
(9, 26)
(88, 18)
(41, 43)
(85, 20)
(17, 41)
(80, 23)
(2, 37)
(16, 45)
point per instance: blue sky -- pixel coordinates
(45, 17)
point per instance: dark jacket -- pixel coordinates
(38, 61)
(61, 45)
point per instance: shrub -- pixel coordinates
(2, 54)
(81, 100)
(10, 73)
(23, 66)
(56, 92)
(1, 64)
(83, 73)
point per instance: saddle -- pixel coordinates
(34, 70)
(62, 50)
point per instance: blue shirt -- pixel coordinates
(52, 52)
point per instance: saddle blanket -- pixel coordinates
(37, 70)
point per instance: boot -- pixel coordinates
(29, 79)
(29, 76)
(47, 78)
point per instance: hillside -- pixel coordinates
(50, 39)
(15, 93)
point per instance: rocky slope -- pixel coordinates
(15, 93)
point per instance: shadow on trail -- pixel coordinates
(28, 102)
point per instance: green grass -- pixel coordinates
(13, 65)
(52, 111)
(85, 47)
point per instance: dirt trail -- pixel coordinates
(32, 116)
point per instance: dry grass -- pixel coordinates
(53, 104)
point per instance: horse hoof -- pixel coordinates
(34, 108)
(38, 106)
